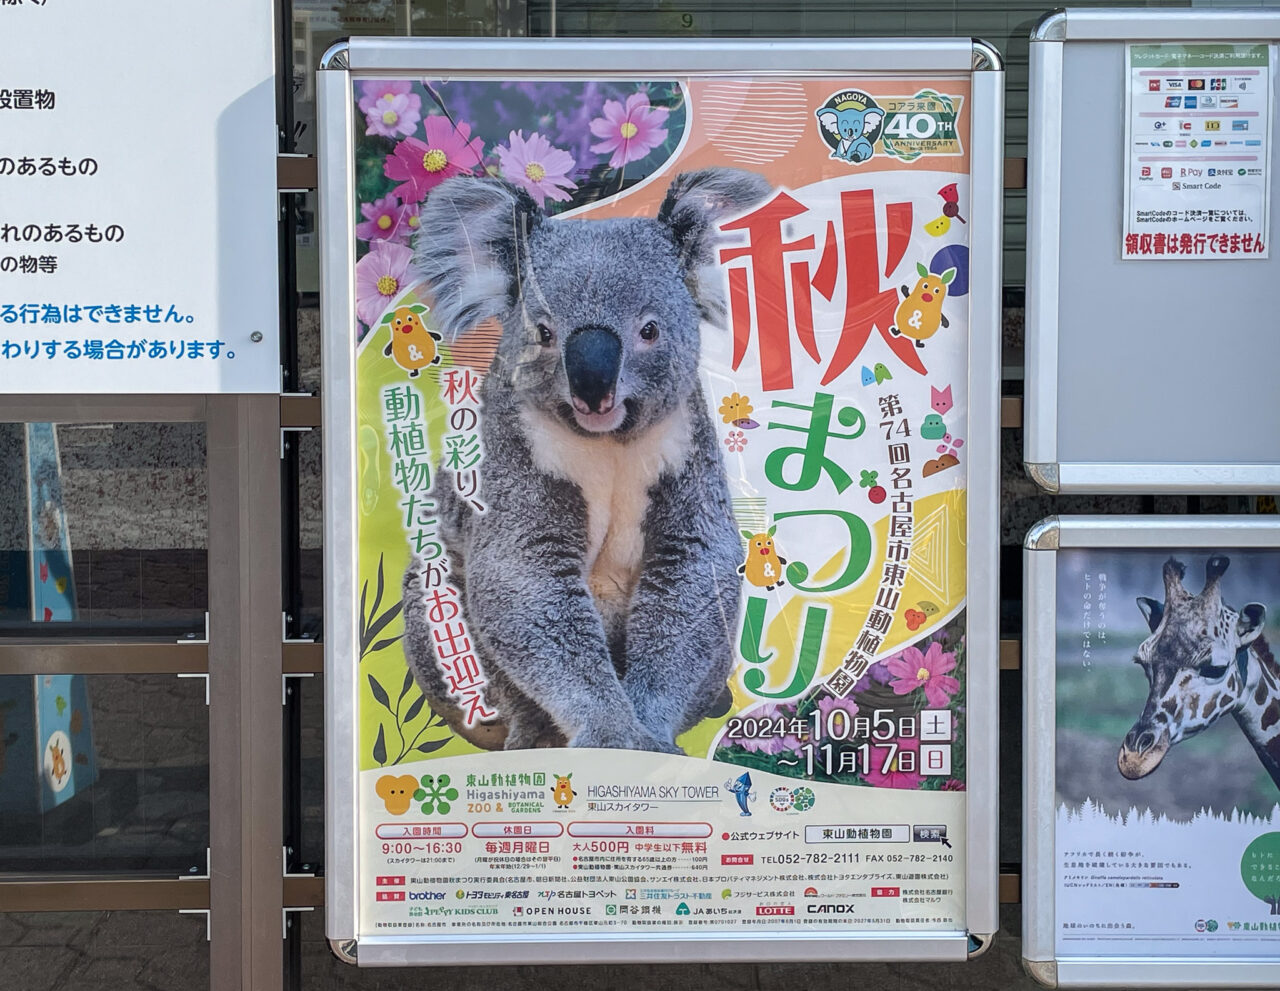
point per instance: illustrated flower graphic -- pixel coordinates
(735, 407)
(373, 90)
(387, 219)
(420, 166)
(736, 441)
(912, 669)
(436, 794)
(393, 115)
(868, 478)
(630, 131)
(536, 167)
(381, 276)
(892, 775)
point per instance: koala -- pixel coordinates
(600, 585)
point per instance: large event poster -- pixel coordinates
(661, 410)
(1198, 151)
(1168, 753)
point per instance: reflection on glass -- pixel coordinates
(103, 529)
(103, 774)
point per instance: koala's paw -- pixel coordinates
(618, 738)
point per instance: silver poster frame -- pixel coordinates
(685, 58)
(1045, 142)
(1039, 653)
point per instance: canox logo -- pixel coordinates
(851, 123)
(831, 909)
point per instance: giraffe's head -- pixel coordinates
(1196, 662)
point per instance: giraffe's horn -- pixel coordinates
(1173, 572)
(1214, 569)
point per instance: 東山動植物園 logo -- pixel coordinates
(852, 123)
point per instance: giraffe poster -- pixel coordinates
(1168, 753)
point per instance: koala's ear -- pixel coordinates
(696, 204)
(471, 247)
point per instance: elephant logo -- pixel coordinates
(850, 123)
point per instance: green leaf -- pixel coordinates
(404, 689)
(924, 273)
(385, 643)
(418, 308)
(432, 745)
(947, 276)
(380, 694)
(380, 747)
(388, 318)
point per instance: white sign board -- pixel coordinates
(138, 242)
(1198, 151)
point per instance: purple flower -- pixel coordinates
(394, 115)
(387, 219)
(769, 743)
(536, 167)
(373, 90)
(630, 131)
(381, 276)
(829, 704)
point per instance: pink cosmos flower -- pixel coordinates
(381, 276)
(536, 167)
(893, 776)
(953, 784)
(912, 669)
(769, 744)
(388, 219)
(630, 132)
(828, 704)
(420, 166)
(373, 90)
(393, 115)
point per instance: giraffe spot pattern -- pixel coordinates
(1272, 714)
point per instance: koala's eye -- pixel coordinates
(545, 336)
(649, 332)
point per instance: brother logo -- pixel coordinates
(426, 896)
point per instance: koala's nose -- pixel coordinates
(592, 358)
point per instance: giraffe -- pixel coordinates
(1202, 661)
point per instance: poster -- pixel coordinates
(1198, 151)
(1167, 828)
(138, 246)
(661, 406)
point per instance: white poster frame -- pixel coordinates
(681, 58)
(1039, 749)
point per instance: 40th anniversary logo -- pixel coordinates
(852, 122)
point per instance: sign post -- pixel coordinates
(138, 224)
(661, 431)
